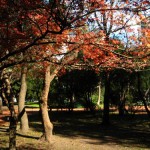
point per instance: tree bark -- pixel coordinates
(7, 95)
(106, 120)
(48, 126)
(122, 102)
(1, 106)
(24, 125)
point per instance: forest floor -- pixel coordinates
(81, 130)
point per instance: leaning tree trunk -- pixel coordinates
(8, 97)
(48, 126)
(106, 100)
(24, 125)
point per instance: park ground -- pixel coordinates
(81, 130)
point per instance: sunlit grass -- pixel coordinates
(32, 104)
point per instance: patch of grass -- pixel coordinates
(32, 104)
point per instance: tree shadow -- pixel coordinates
(124, 132)
(5, 118)
(3, 148)
(128, 131)
(36, 126)
(27, 136)
(29, 146)
(4, 129)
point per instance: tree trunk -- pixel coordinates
(99, 94)
(24, 125)
(106, 100)
(12, 126)
(7, 95)
(71, 103)
(1, 106)
(122, 102)
(48, 126)
(141, 96)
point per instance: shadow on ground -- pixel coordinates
(128, 131)
(27, 136)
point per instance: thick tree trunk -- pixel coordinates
(24, 125)
(48, 126)
(106, 100)
(141, 95)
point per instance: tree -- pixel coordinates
(78, 86)
(7, 95)
(1, 105)
(106, 100)
(34, 84)
(99, 93)
(32, 27)
(24, 126)
(48, 126)
(28, 25)
(23, 28)
(50, 73)
(120, 85)
(142, 95)
(112, 22)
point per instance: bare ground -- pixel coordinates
(82, 130)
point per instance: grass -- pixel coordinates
(81, 130)
(32, 104)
